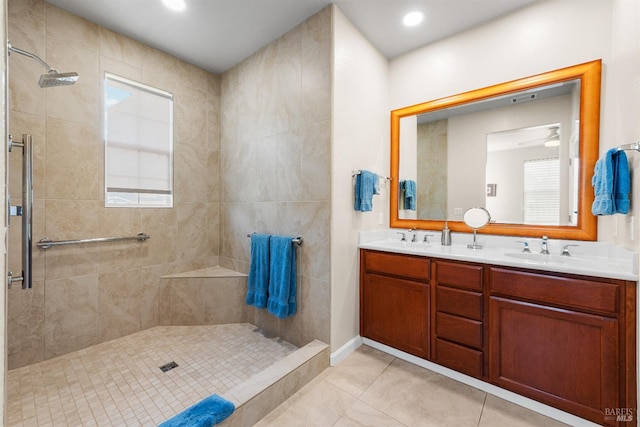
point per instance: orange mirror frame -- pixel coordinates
(589, 75)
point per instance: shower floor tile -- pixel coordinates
(120, 382)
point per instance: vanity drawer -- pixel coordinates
(414, 267)
(462, 359)
(459, 329)
(459, 302)
(459, 275)
(580, 294)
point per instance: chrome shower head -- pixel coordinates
(54, 78)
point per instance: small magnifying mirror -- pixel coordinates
(476, 218)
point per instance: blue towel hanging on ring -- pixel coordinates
(367, 184)
(611, 184)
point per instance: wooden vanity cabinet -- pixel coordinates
(458, 338)
(394, 301)
(567, 341)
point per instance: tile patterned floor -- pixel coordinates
(119, 383)
(372, 388)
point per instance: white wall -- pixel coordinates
(621, 112)
(545, 36)
(360, 141)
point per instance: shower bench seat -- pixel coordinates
(208, 296)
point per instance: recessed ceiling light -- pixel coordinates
(412, 19)
(177, 5)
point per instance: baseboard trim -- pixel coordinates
(340, 354)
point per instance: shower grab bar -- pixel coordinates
(46, 243)
(24, 210)
(296, 240)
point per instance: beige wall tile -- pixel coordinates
(224, 300)
(187, 305)
(288, 166)
(71, 314)
(78, 103)
(71, 219)
(315, 173)
(69, 261)
(122, 69)
(314, 301)
(120, 48)
(275, 120)
(190, 109)
(25, 325)
(120, 295)
(192, 238)
(190, 173)
(74, 161)
(70, 29)
(161, 225)
(28, 35)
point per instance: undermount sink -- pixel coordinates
(548, 259)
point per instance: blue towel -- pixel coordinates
(258, 282)
(409, 187)
(621, 182)
(206, 413)
(282, 277)
(611, 184)
(367, 184)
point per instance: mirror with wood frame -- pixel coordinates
(524, 149)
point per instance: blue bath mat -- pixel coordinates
(206, 413)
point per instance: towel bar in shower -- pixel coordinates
(297, 240)
(46, 243)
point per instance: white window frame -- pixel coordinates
(138, 191)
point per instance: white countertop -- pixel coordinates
(599, 259)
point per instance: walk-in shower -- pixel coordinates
(50, 79)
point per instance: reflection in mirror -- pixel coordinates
(495, 147)
(457, 154)
(532, 175)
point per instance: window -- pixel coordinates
(542, 192)
(138, 134)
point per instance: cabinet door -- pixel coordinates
(396, 312)
(563, 358)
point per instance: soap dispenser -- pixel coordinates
(445, 240)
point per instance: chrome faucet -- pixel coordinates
(525, 247)
(544, 249)
(415, 234)
(565, 250)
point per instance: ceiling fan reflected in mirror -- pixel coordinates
(552, 139)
